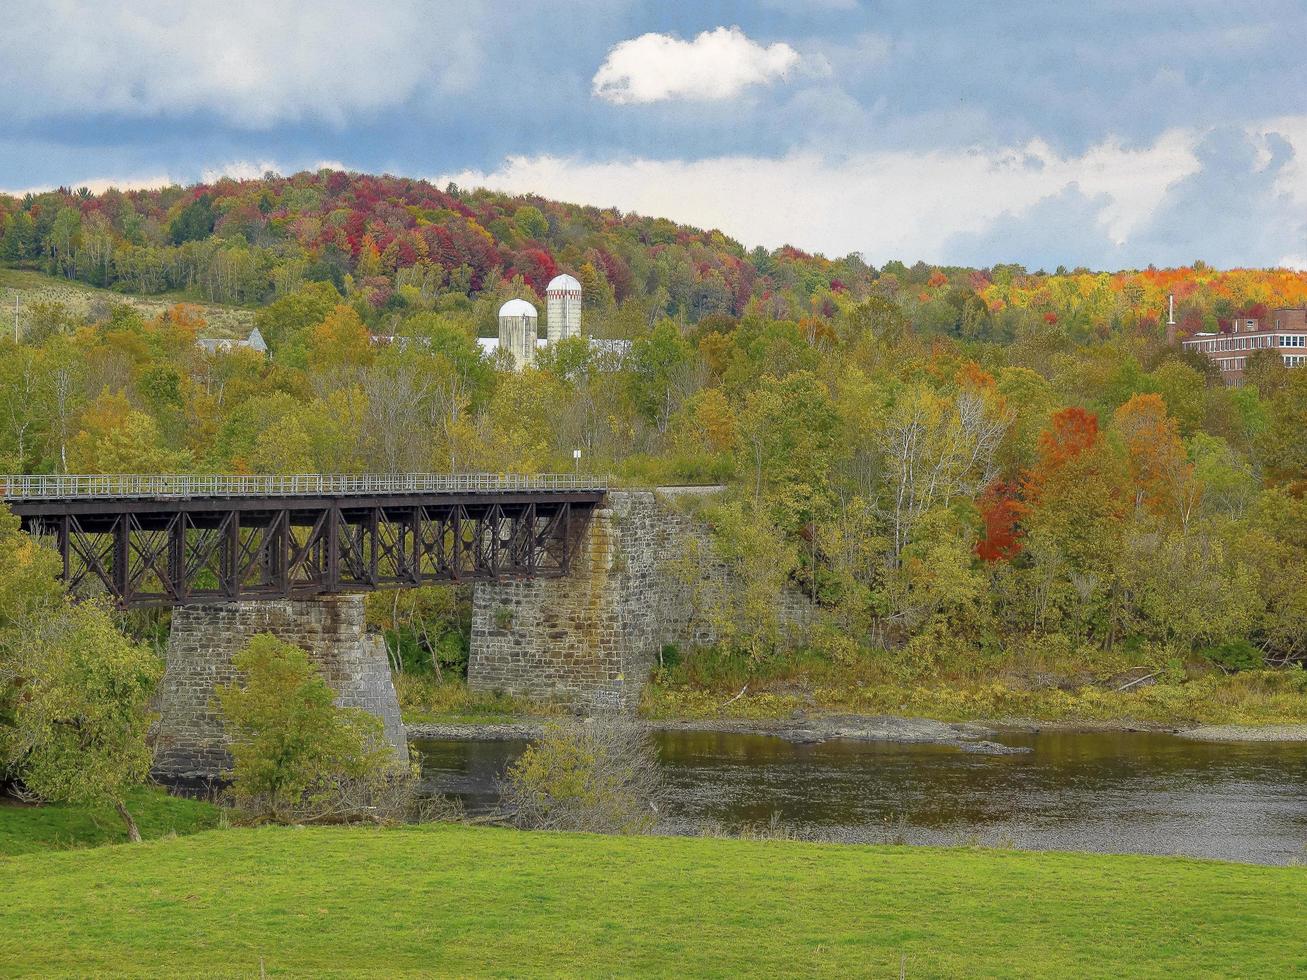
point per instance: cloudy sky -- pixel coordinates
(1109, 133)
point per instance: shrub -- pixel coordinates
(1235, 655)
(296, 755)
(599, 775)
(423, 698)
(669, 655)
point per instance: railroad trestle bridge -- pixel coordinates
(162, 540)
(574, 586)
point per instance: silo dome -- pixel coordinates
(563, 308)
(562, 283)
(517, 307)
(517, 332)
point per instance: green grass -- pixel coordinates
(425, 700)
(25, 829)
(457, 901)
(703, 684)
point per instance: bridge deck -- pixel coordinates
(184, 486)
(172, 539)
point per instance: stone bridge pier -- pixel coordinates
(646, 574)
(190, 743)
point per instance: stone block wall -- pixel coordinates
(578, 639)
(204, 638)
(591, 639)
(693, 580)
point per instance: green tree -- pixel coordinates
(786, 442)
(283, 448)
(744, 609)
(83, 713)
(284, 322)
(1282, 445)
(1274, 544)
(290, 744)
(531, 222)
(600, 775)
(660, 368)
(74, 692)
(131, 445)
(877, 317)
(1187, 590)
(194, 222)
(1183, 389)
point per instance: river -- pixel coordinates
(1114, 792)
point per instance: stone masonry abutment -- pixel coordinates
(190, 742)
(646, 575)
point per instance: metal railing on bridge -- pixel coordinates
(151, 485)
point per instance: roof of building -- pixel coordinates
(563, 283)
(254, 342)
(517, 307)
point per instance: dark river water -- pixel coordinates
(1119, 792)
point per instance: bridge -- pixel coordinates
(169, 540)
(575, 587)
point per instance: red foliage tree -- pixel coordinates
(1071, 432)
(1000, 511)
(535, 265)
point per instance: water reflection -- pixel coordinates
(1125, 792)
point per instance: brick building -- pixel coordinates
(1284, 331)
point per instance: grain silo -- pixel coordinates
(563, 308)
(517, 332)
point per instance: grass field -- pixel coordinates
(457, 901)
(78, 298)
(24, 829)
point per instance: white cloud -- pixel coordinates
(238, 170)
(718, 64)
(252, 62)
(255, 169)
(98, 185)
(1292, 179)
(883, 204)
(235, 169)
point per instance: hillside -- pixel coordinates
(42, 297)
(398, 244)
(1010, 487)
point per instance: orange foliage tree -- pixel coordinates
(1160, 473)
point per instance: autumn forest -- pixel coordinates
(995, 469)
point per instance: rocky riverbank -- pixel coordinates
(979, 737)
(806, 730)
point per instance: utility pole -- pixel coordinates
(16, 294)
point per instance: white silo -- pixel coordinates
(563, 308)
(517, 332)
